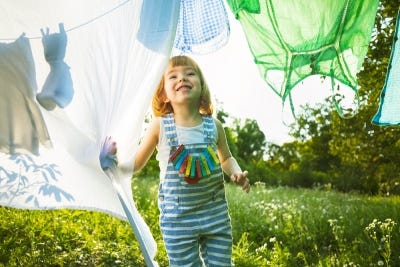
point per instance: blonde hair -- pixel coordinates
(160, 107)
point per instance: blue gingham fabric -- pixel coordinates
(203, 26)
(388, 113)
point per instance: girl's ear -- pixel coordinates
(165, 98)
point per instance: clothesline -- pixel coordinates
(77, 26)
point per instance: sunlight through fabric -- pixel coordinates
(72, 73)
(388, 113)
(292, 40)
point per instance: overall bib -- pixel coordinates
(194, 216)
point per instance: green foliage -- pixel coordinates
(360, 145)
(152, 168)
(231, 139)
(247, 143)
(347, 154)
(271, 227)
(296, 227)
(250, 140)
(65, 238)
(381, 233)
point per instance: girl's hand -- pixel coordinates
(108, 158)
(241, 179)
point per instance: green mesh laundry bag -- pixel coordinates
(293, 39)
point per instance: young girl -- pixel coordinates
(192, 150)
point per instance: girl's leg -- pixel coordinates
(183, 251)
(216, 250)
(216, 237)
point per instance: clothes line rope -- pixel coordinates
(80, 25)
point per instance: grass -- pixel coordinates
(271, 227)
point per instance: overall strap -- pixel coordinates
(209, 129)
(172, 136)
(170, 129)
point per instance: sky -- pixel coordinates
(234, 80)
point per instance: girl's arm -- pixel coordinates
(147, 145)
(228, 162)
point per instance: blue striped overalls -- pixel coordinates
(194, 218)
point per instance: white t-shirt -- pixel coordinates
(186, 135)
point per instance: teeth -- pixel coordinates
(182, 87)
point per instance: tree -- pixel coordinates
(305, 162)
(352, 153)
(250, 140)
(222, 116)
(251, 144)
(366, 151)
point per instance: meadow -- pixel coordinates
(271, 227)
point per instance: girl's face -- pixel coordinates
(182, 85)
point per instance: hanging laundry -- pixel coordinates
(58, 88)
(114, 75)
(22, 128)
(203, 26)
(154, 33)
(389, 107)
(292, 40)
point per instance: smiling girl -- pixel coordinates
(193, 154)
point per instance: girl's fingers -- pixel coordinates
(246, 186)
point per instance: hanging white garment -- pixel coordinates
(117, 51)
(114, 76)
(22, 127)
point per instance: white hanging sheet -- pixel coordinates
(115, 61)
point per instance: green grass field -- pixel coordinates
(271, 227)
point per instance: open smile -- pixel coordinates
(183, 88)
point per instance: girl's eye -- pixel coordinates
(171, 77)
(191, 74)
